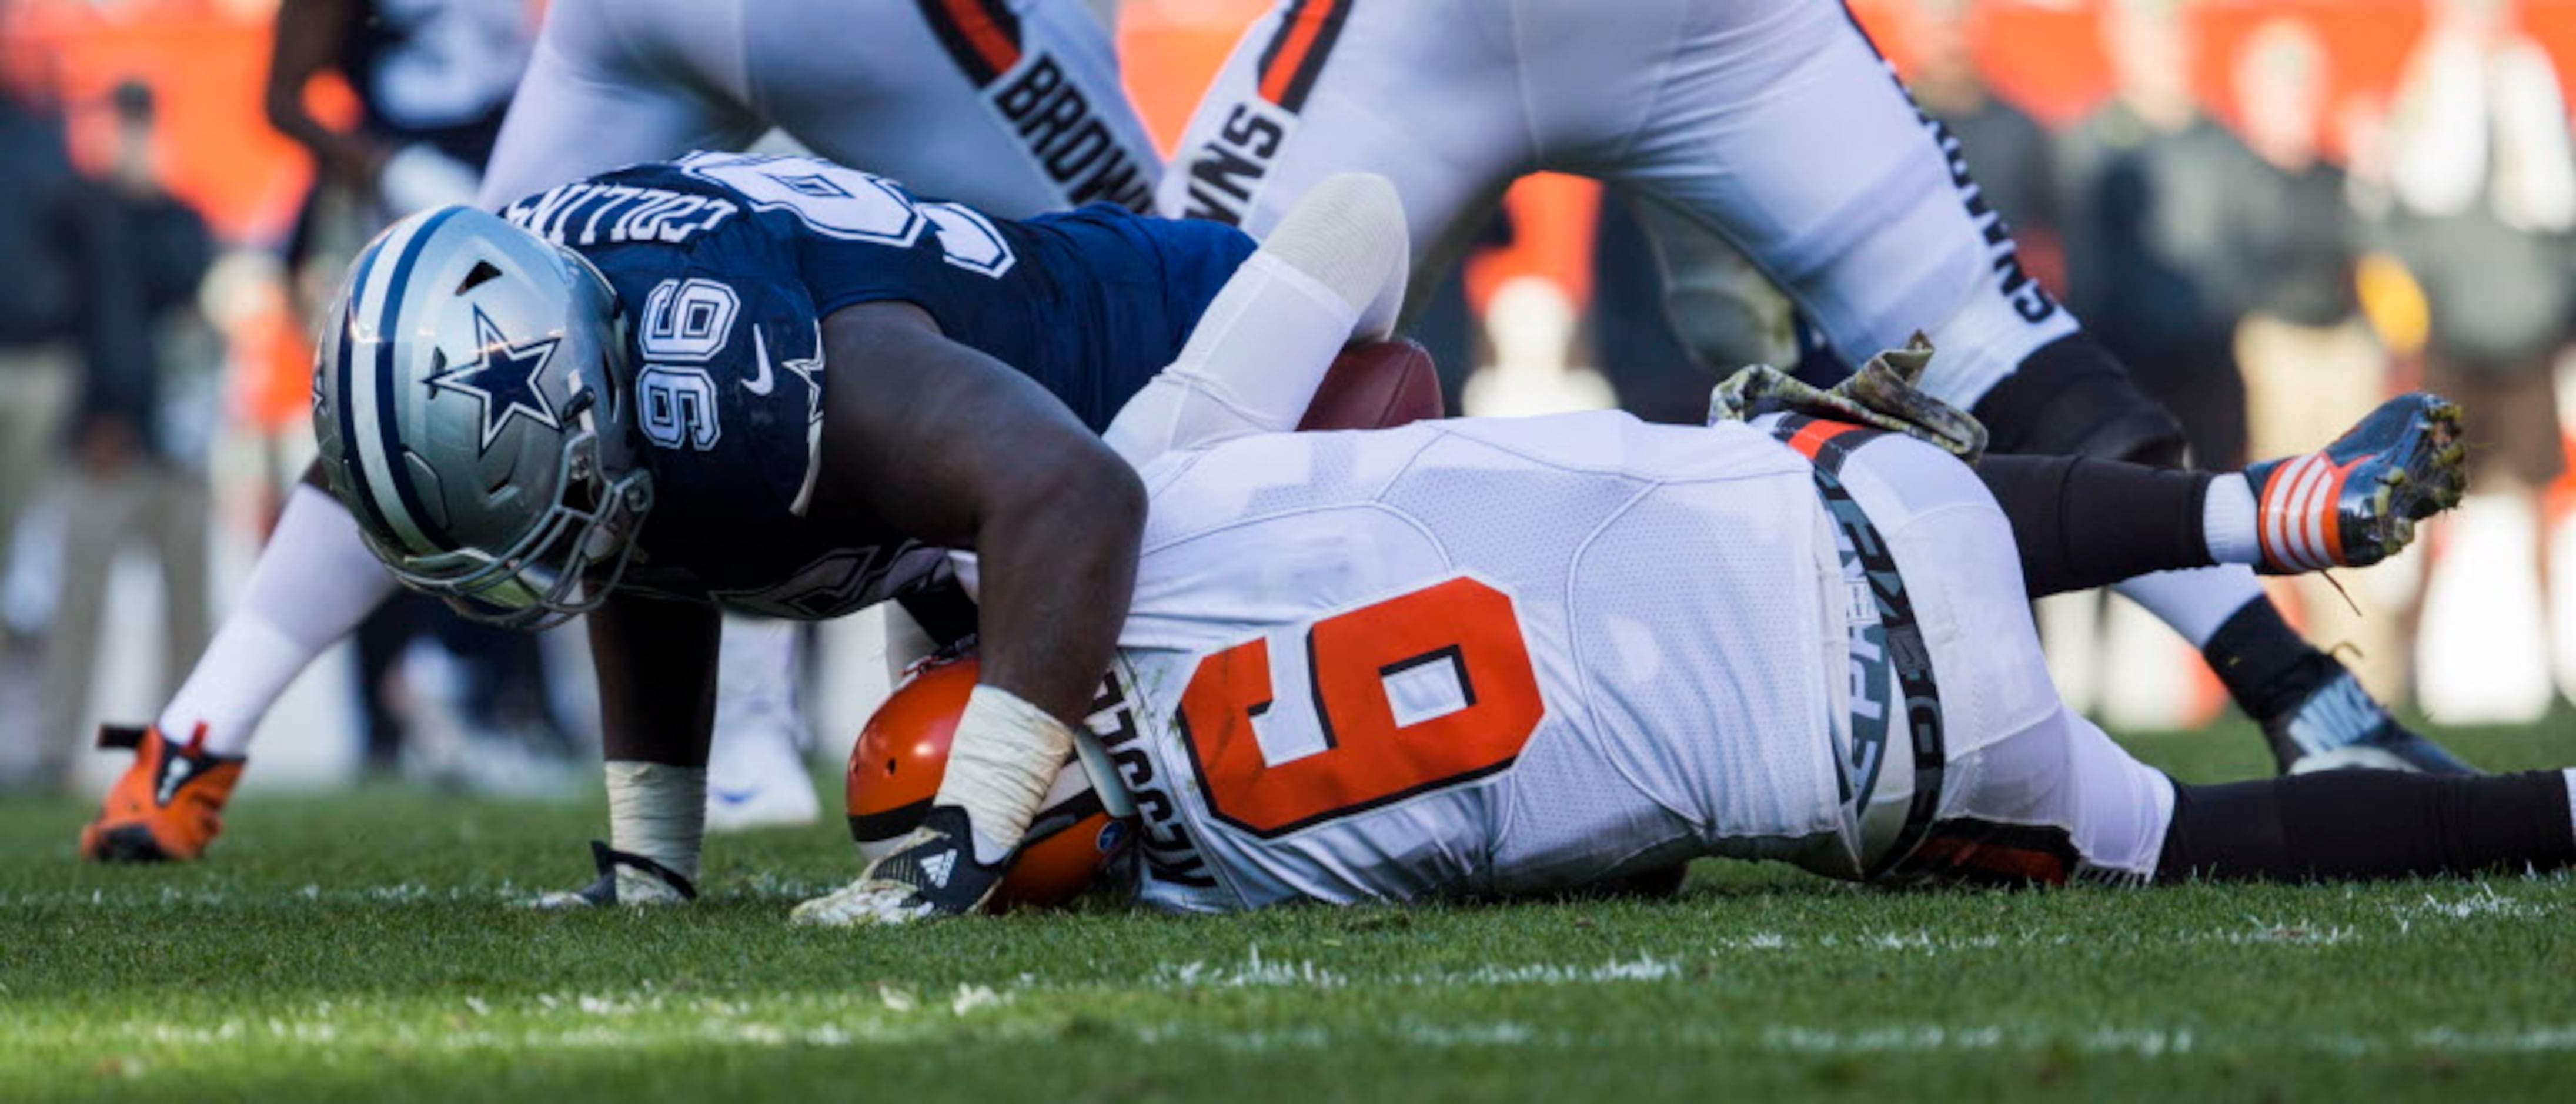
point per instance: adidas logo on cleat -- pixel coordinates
(939, 867)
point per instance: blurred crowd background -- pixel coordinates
(2276, 211)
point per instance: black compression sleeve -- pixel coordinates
(2368, 824)
(2083, 523)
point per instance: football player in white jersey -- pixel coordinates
(1011, 106)
(1774, 124)
(1495, 657)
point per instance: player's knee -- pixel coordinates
(2072, 398)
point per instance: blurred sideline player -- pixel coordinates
(784, 386)
(1014, 108)
(431, 79)
(1776, 125)
(1491, 657)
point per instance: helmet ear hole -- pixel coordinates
(482, 273)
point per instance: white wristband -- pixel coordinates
(1005, 756)
(660, 812)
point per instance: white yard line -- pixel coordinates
(779, 1029)
(782, 891)
(1258, 971)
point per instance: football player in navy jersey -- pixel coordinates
(725, 263)
(785, 386)
(1015, 108)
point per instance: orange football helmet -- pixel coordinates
(902, 754)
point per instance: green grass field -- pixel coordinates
(365, 947)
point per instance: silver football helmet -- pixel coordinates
(472, 407)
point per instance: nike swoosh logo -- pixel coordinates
(734, 797)
(762, 383)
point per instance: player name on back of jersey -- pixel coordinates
(1170, 854)
(1070, 140)
(587, 213)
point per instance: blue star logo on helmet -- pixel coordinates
(504, 378)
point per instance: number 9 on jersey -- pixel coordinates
(1429, 689)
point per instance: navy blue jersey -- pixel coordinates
(724, 266)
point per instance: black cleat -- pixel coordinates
(931, 873)
(2338, 726)
(659, 884)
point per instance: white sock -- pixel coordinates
(658, 811)
(756, 669)
(315, 581)
(2227, 521)
(2194, 603)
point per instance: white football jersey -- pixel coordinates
(1476, 657)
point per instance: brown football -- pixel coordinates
(1376, 386)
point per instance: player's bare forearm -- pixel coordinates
(656, 662)
(953, 447)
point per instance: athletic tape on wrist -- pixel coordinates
(658, 811)
(1005, 755)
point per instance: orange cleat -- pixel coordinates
(168, 806)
